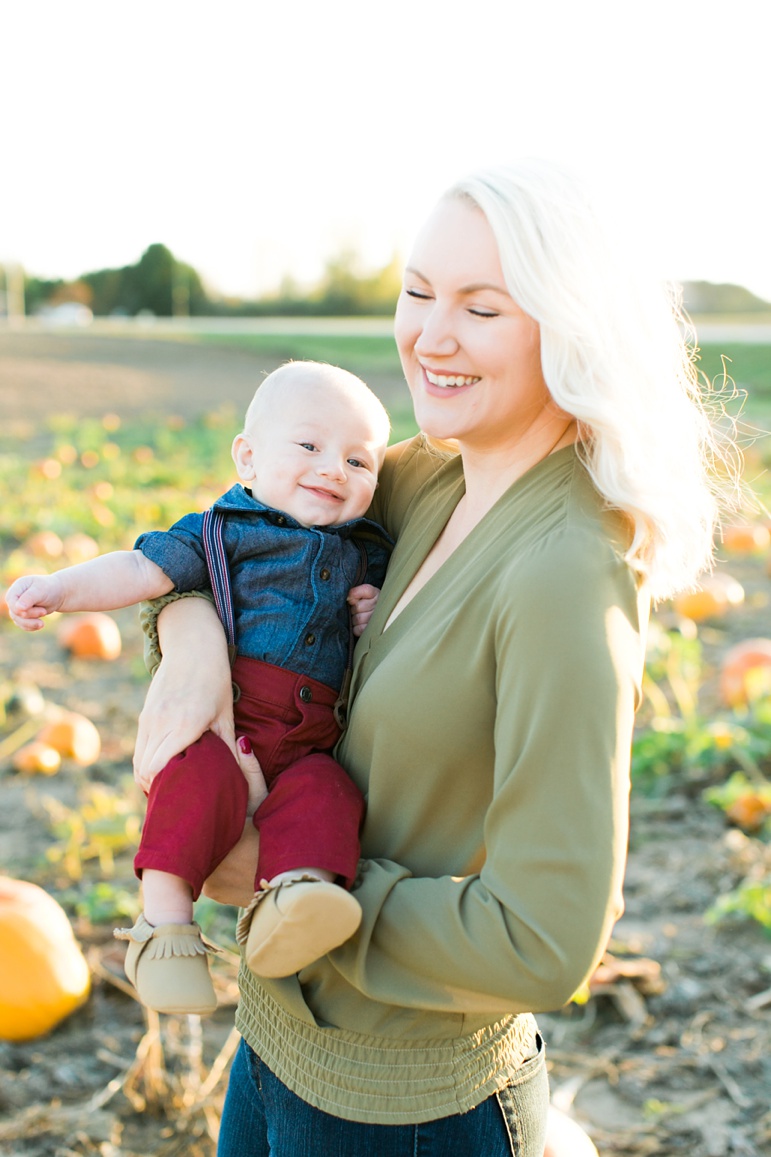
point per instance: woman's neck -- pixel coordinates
(490, 471)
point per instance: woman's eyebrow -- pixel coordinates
(475, 287)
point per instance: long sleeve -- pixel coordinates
(523, 931)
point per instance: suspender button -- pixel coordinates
(306, 694)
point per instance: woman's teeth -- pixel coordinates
(445, 380)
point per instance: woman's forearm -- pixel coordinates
(192, 690)
(190, 630)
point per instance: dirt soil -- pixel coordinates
(675, 1064)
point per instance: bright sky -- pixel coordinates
(257, 138)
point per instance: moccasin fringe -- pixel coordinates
(167, 940)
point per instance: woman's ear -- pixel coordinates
(243, 456)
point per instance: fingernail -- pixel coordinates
(245, 745)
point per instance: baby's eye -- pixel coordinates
(307, 445)
(357, 462)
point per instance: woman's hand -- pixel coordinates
(191, 692)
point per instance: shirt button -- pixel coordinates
(326, 575)
(280, 521)
(306, 694)
(310, 640)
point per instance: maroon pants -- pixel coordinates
(311, 817)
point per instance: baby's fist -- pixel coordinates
(30, 598)
(362, 601)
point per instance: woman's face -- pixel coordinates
(471, 356)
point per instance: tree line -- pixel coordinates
(162, 285)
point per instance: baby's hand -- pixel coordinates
(30, 598)
(362, 601)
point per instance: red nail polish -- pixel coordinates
(245, 745)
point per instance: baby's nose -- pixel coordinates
(332, 468)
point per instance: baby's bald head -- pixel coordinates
(312, 387)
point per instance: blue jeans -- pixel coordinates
(262, 1118)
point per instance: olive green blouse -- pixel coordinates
(490, 733)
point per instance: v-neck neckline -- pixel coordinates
(437, 520)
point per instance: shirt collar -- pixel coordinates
(241, 498)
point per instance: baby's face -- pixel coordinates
(314, 455)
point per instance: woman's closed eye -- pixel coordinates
(419, 294)
(477, 312)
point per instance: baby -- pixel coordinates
(284, 555)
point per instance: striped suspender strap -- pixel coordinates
(219, 572)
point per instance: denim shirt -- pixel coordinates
(289, 582)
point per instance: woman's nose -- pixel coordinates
(436, 334)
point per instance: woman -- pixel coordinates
(494, 689)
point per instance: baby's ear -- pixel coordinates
(243, 456)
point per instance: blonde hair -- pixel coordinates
(614, 357)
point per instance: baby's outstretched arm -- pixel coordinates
(101, 584)
(362, 601)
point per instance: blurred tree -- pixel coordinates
(38, 291)
(343, 290)
(383, 288)
(158, 283)
(703, 297)
(340, 288)
(78, 291)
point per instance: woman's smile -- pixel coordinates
(447, 380)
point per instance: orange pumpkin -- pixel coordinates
(73, 736)
(48, 468)
(715, 596)
(37, 758)
(746, 538)
(745, 672)
(749, 811)
(44, 544)
(43, 973)
(80, 547)
(91, 636)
